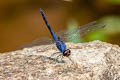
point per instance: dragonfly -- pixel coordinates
(59, 43)
(60, 37)
(61, 46)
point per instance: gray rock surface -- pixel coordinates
(90, 61)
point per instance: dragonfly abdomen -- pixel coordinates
(48, 26)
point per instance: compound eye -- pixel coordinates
(67, 53)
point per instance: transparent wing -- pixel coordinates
(38, 41)
(82, 30)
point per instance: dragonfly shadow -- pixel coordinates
(53, 59)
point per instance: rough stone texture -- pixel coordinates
(90, 61)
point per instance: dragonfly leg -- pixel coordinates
(59, 56)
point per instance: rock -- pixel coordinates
(89, 61)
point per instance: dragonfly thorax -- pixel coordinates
(67, 53)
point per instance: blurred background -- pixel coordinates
(21, 22)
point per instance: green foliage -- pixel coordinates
(114, 1)
(97, 35)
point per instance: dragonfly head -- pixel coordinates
(67, 53)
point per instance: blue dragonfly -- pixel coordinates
(60, 37)
(59, 43)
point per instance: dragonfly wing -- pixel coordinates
(91, 28)
(37, 42)
(82, 30)
(62, 34)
